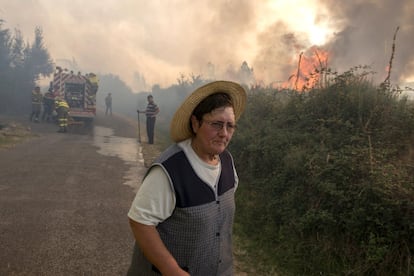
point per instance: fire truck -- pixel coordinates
(79, 91)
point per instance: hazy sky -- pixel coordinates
(158, 40)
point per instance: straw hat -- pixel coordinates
(180, 124)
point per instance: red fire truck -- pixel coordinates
(79, 91)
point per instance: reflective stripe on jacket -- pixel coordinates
(62, 104)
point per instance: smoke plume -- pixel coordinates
(154, 42)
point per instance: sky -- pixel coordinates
(154, 42)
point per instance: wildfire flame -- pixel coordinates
(309, 69)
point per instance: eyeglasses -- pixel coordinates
(219, 125)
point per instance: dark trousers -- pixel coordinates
(47, 113)
(150, 129)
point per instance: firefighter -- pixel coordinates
(48, 104)
(62, 109)
(37, 99)
(93, 80)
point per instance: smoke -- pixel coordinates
(157, 40)
(277, 56)
(223, 38)
(361, 34)
(365, 36)
(154, 42)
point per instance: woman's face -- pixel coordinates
(215, 131)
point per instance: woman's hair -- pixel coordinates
(210, 103)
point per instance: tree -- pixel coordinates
(4, 52)
(17, 51)
(5, 69)
(21, 65)
(38, 61)
(246, 74)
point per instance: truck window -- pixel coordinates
(75, 94)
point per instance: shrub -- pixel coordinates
(326, 181)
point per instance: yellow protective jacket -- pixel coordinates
(61, 104)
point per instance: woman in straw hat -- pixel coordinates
(182, 215)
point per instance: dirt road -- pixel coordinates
(64, 200)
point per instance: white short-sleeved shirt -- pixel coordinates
(155, 199)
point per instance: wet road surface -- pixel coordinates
(64, 200)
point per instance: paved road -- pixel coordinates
(64, 199)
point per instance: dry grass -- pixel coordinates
(12, 133)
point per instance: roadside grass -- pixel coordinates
(250, 258)
(12, 133)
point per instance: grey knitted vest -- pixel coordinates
(199, 232)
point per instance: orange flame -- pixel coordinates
(309, 68)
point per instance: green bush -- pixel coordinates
(326, 179)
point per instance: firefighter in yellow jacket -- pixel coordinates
(37, 99)
(62, 109)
